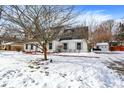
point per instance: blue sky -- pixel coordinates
(115, 11)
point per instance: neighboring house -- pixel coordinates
(11, 42)
(11, 46)
(117, 46)
(111, 46)
(72, 40)
(103, 46)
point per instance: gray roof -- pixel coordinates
(61, 33)
(75, 33)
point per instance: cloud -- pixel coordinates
(93, 17)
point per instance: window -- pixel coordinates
(78, 46)
(65, 46)
(50, 45)
(26, 46)
(36, 47)
(31, 46)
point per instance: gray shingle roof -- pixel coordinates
(75, 33)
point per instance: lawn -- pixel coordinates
(63, 70)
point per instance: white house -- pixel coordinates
(74, 45)
(103, 46)
(73, 41)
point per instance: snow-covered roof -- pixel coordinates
(101, 44)
(73, 40)
(8, 43)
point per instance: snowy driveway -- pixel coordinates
(23, 70)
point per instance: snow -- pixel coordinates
(102, 44)
(85, 54)
(8, 43)
(67, 70)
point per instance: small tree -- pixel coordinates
(38, 21)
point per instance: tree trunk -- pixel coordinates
(45, 51)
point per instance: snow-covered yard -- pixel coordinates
(66, 70)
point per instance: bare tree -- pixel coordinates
(119, 35)
(38, 21)
(1, 9)
(91, 22)
(108, 26)
(103, 32)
